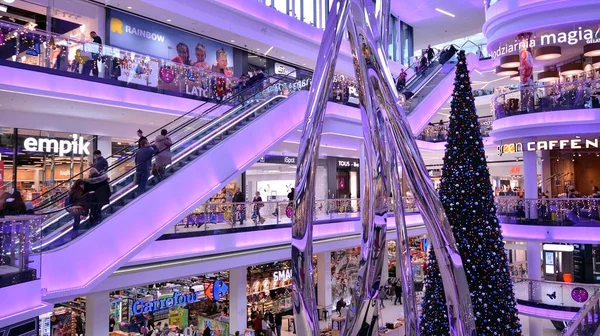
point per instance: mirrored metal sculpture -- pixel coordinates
(389, 147)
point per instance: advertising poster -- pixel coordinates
(153, 39)
(218, 328)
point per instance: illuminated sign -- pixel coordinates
(177, 299)
(61, 147)
(533, 146)
(282, 275)
(217, 290)
(353, 164)
(555, 37)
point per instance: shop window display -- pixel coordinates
(67, 319)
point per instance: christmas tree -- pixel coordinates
(466, 194)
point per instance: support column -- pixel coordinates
(530, 180)
(324, 297)
(238, 301)
(385, 274)
(534, 269)
(97, 312)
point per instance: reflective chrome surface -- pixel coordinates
(303, 289)
(388, 142)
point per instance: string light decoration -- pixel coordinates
(467, 197)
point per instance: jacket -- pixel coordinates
(101, 165)
(143, 158)
(99, 185)
(163, 144)
(238, 198)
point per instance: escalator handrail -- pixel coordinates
(52, 200)
(183, 139)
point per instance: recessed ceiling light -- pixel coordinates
(232, 41)
(168, 20)
(128, 7)
(282, 56)
(445, 13)
(257, 49)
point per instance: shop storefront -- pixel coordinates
(343, 177)
(66, 319)
(43, 159)
(194, 303)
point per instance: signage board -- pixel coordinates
(278, 159)
(565, 35)
(154, 39)
(77, 146)
(282, 275)
(541, 145)
(346, 163)
(282, 69)
(178, 299)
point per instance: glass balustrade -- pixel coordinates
(580, 94)
(549, 211)
(439, 132)
(566, 295)
(16, 236)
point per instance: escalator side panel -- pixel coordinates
(436, 98)
(81, 264)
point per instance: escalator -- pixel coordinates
(206, 156)
(428, 91)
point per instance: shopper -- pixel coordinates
(207, 331)
(100, 162)
(381, 296)
(278, 323)
(92, 64)
(96, 185)
(258, 203)
(340, 305)
(401, 82)
(398, 292)
(163, 143)
(111, 322)
(14, 205)
(238, 207)
(266, 326)
(257, 325)
(430, 54)
(75, 204)
(143, 163)
(141, 136)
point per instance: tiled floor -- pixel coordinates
(391, 313)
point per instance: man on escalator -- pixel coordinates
(143, 163)
(430, 54)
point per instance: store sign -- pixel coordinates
(587, 33)
(533, 146)
(217, 290)
(177, 299)
(282, 69)
(515, 170)
(347, 164)
(282, 275)
(77, 146)
(277, 159)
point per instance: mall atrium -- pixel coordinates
(299, 167)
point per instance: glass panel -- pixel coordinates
(297, 9)
(308, 14)
(281, 6)
(393, 38)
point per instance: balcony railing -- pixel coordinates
(16, 236)
(587, 320)
(439, 132)
(549, 211)
(566, 295)
(230, 217)
(581, 94)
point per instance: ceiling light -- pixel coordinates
(257, 49)
(596, 62)
(268, 51)
(548, 76)
(571, 69)
(282, 56)
(592, 49)
(547, 53)
(445, 13)
(516, 77)
(510, 61)
(3, 9)
(128, 7)
(232, 41)
(500, 71)
(168, 20)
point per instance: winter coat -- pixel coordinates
(163, 143)
(143, 158)
(101, 165)
(99, 185)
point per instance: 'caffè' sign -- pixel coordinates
(541, 145)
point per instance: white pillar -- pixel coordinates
(385, 270)
(530, 179)
(535, 327)
(363, 168)
(97, 312)
(238, 301)
(534, 267)
(37, 172)
(324, 280)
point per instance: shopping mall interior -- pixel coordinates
(299, 167)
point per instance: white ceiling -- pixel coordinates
(433, 27)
